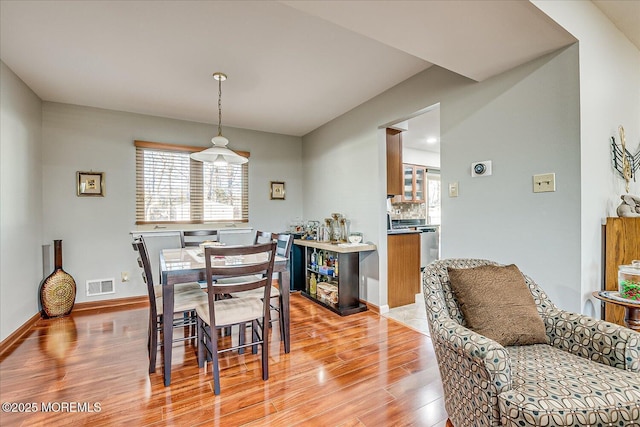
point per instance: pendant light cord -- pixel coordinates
(220, 107)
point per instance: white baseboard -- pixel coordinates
(384, 309)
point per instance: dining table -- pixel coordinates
(182, 265)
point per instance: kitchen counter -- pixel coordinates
(403, 267)
(402, 231)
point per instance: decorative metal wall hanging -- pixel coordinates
(623, 161)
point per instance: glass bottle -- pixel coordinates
(322, 233)
(335, 227)
(343, 230)
(335, 266)
(313, 284)
(314, 259)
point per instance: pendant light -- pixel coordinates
(219, 154)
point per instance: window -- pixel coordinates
(173, 188)
(433, 197)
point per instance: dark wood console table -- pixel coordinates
(347, 279)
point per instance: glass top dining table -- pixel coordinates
(184, 265)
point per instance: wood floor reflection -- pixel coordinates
(359, 370)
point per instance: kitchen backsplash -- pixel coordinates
(408, 210)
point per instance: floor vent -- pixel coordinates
(100, 287)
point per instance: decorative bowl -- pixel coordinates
(355, 237)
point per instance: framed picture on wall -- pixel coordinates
(277, 190)
(90, 184)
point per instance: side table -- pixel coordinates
(631, 310)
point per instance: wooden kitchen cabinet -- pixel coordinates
(394, 163)
(403, 268)
(621, 245)
(414, 183)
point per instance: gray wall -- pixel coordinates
(525, 120)
(95, 230)
(21, 201)
(609, 97)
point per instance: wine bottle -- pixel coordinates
(313, 284)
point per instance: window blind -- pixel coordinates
(173, 188)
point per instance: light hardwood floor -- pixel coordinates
(359, 370)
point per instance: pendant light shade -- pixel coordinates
(219, 154)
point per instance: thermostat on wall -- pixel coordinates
(481, 168)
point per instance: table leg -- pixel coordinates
(632, 318)
(285, 284)
(167, 331)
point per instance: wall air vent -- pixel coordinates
(100, 287)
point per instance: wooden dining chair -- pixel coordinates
(217, 314)
(283, 248)
(186, 297)
(264, 237)
(195, 237)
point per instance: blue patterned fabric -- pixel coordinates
(587, 374)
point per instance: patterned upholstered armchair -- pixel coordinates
(586, 374)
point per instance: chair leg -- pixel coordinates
(200, 342)
(265, 349)
(213, 348)
(254, 336)
(242, 331)
(284, 325)
(153, 344)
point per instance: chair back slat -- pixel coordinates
(195, 237)
(232, 271)
(248, 285)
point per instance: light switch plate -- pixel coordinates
(453, 189)
(544, 182)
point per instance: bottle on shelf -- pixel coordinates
(314, 259)
(313, 284)
(320, 259)
(335, 266)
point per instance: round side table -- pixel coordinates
(631, 311)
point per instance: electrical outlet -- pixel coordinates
(453, 189)
(124, 276)
(544, 182)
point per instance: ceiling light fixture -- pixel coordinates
(219, 154)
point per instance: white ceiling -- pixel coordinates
(292, 66)
(423, 131)
(625, 14)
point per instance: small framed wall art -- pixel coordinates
(90, 184)
(277, 190)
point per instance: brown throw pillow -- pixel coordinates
(496, 302)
